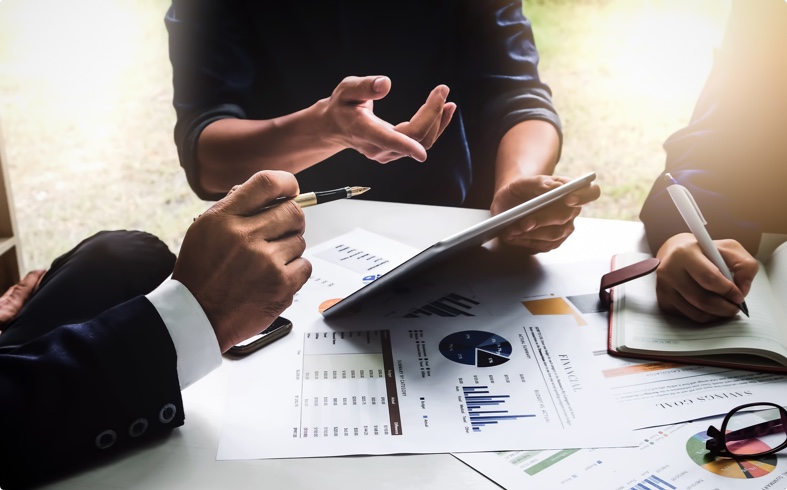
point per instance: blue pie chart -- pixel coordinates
(476, 348)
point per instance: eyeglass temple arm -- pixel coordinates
(761, 429)
(718, 440)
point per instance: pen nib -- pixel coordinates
(357, 190)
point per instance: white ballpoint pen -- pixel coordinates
(691, 214)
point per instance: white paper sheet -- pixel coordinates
(650, 393)
(658, 393)
(394, 379)
(668, 458)
(503, 299)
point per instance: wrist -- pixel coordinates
(324, 126)
(528, 149)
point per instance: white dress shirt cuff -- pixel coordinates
(195, 342)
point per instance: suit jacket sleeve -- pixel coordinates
(85, 392)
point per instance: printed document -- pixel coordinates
(667, 458)
(468, 370)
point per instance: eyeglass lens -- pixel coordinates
(755, 430)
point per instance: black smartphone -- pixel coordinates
(276, 330)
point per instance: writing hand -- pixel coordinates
(242, 261)
(549, 227)
(352, 122)
(689, 284)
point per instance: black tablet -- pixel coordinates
(474, 236)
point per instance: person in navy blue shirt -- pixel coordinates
(732, 157)
(291, 85)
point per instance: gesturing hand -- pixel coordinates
(688, 283)
(352, 122)
(241, 261)
(547, 228)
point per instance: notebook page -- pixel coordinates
(640, 325)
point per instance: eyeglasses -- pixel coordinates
(751, 430)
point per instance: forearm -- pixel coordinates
(529, 148)
(229, 151)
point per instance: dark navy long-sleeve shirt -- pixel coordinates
(733, 154)
(261, 60)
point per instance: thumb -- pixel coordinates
(526, 189)
(364, 88)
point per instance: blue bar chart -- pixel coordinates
(486, 409)
(653, 482)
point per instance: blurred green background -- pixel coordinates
(86, 114)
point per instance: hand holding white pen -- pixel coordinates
(696, 222)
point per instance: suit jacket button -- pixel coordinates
(106, 439)
(137, 427)
(167, 413)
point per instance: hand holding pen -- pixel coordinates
(319, 197)
(307, 199)
(694, 278)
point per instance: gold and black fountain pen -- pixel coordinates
(313, 198)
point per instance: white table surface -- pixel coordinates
(186, 459)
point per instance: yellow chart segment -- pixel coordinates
(743, 469)
(553, 306)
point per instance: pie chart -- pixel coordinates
(731, 468)
(476, 348)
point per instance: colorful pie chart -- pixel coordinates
(728, 467)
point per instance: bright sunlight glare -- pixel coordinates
(666, 48)
(76, 51)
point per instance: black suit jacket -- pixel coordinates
(85, 392)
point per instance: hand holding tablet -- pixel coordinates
(471, 237)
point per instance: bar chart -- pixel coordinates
(486, 409)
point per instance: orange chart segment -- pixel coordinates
(553, 306)
(327, 304)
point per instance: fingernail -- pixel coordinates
(530, 225)
(378, 84)
(572, 201)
